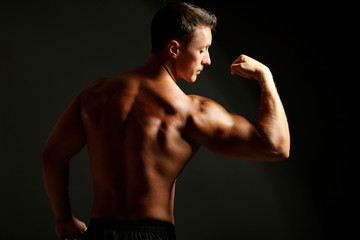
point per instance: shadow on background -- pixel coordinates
(50, 51)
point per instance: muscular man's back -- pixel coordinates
(141, 130)
(134, 132)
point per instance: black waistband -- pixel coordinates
(132, 225)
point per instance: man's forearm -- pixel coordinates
(56, 183)
(271, 120)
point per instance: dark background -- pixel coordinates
(50, 51)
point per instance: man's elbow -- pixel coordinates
(280, 153)
(52, 159)
(47, 159)
(283, 155)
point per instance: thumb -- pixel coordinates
(233, 66)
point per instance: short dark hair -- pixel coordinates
(178, 20)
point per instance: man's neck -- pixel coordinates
(158, 67)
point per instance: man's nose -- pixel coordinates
(206, 59)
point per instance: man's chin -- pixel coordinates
(191, 80)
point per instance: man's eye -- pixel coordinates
(202, 51)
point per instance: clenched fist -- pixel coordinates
(248, 67)
(71, 229)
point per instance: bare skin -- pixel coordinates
(141, 130)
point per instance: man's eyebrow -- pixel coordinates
(205, 46)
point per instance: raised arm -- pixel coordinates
(233, 135)
(66, 139)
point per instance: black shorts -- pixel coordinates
(110, 229)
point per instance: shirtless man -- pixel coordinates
(141, 130)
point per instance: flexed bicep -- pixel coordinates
(226, 134)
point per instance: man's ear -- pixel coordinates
(173, 48)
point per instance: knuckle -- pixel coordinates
(242, 57)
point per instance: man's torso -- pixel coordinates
(137, 147)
